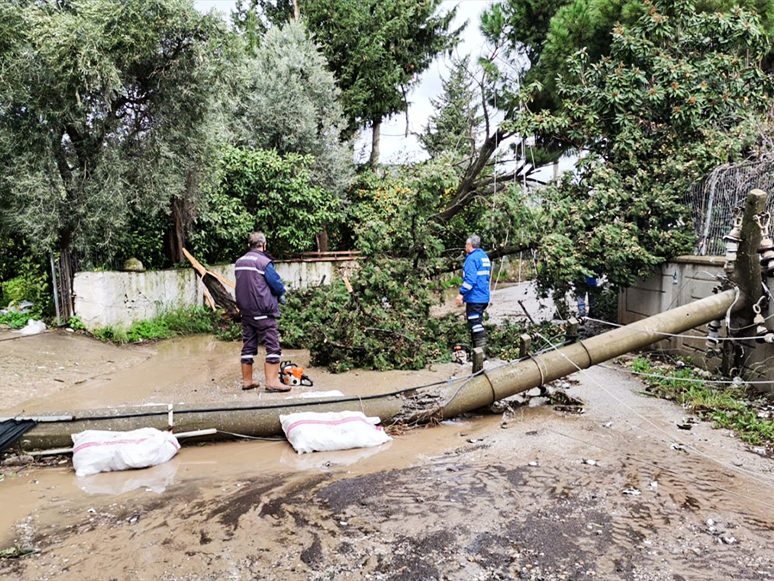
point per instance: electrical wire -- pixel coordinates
(246, 437)
(669, 334)
(671, 437)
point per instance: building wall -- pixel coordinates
(119, 299)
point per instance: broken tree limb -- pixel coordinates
(212, 282)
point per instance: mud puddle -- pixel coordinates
(183, 370)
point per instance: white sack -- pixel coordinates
(103, 451)
(323, 432)
(329, 393)
(32, 327)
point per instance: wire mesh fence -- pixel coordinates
(715, 199)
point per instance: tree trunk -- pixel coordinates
(65, 290)
(322, 240)
(376, 128)
(465, 191)
(176, 232)
(296, 11)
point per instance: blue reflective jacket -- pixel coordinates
(476, 273)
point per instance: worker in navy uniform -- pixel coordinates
(259, 290)
(474, 291)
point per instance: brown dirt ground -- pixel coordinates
(529, 492)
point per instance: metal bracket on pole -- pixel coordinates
(571, 333)
(525, 343)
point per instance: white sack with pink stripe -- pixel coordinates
(327, 431)
(103, 451)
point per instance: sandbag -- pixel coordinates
(32, 327)
(326, 431)
(103, 451)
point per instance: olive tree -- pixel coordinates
(105, 106)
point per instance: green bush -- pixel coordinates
(183, 321)
(15, 320)
(30, 284)
(111, 334)
(733, 408)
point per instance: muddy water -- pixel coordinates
(618, 492)
(184, 370)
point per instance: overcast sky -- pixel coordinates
(395, 146)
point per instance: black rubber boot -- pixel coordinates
(480, 342)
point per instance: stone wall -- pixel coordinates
(118, 299)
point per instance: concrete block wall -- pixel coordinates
(119, 299)
(677, 283)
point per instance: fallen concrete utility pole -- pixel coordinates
(502, 382)
(409, 406)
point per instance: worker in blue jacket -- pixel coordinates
(474, 291)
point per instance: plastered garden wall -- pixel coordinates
(677, 283)
(118, 299)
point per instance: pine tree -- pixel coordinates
(455, 125)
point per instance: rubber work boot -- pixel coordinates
(480, 342)
(273, 383)
(247, 377)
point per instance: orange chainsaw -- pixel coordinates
(292, 374)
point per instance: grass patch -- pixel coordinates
(731, 407)
(174, 323)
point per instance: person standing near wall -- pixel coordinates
(259, 290)
(474, 291)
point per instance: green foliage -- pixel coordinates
(453, 127)
(396, 41)
(391, 215)
(76, 324)
(106, 108)
(177, 322)
(111, 334)
(15, 320)
(733, 408)
(30, 284)
(549, 32)
(290, 103)
(228, 330)
(262, 190)
(680, 93)
(384, 325)
(142, 237)
(503, 341)
(377, 49)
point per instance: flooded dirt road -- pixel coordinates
(618, 492)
